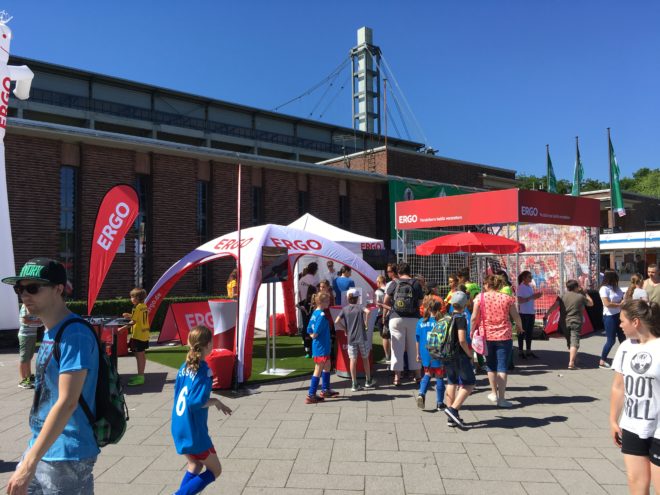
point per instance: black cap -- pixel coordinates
(40, 270)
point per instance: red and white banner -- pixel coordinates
(116, 215)
(497, 207)
(553, 323)
(181, 317)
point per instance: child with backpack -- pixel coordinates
(460, 375)
(319, 331)
(192, 391)
(432, 366)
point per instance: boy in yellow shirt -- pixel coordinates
(139, 333)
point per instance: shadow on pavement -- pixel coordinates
(516, 422)
(8, 467)
(153, 383)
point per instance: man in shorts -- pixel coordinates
(27, 342)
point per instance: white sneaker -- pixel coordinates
(492, 397)
(505, 404)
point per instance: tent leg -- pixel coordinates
(267, 326)
(274, 325)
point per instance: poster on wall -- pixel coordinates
(23, 77)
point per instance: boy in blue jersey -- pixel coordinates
(319, 330)
(192, 391)
(62, 449)
(432, 367)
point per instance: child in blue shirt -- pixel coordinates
(319, 330)
(192, 391)
(432, 367)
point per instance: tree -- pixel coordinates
(643, 181)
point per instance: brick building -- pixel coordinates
(80, 133)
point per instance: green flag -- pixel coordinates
(615, 187)
(578, 175)
(552, 180)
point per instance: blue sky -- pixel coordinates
(489, 81)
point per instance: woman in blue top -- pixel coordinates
(192, 391)
(431, 366)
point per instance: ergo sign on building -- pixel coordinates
(497, 207)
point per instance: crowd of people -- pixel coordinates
(428, 335)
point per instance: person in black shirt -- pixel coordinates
(460, 375)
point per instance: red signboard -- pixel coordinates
(181, 317)
(497, 207)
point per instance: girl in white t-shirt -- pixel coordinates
(612, 297)
(635, 290)
(635, 397)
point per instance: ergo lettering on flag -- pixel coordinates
(119, 209)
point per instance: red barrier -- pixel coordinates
(343, 361)
(280, 324)
(181, 317)
(221, 363)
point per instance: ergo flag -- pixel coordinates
(116, 215)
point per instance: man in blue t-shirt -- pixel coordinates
(341, 284)
(62, 450)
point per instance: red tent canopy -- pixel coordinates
(470, 242)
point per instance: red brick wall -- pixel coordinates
(362, 206)
(32, 168)
(280, 196)
(324, 198)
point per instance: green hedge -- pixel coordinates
(115, 307)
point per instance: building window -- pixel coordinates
(344, 217)
(203, 208)
(257, 205)
(303, 202)
(68, 224)
(140, 268)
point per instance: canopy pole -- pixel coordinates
(239, 285)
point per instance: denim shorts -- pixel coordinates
(499, 352)
(459, 371)
(57, 477)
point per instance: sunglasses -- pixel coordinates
(30, 288)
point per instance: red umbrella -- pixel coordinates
(470, 242)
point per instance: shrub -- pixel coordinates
(118, 306)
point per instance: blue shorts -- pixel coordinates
(499, 352)
(63, 477)
(459, 371)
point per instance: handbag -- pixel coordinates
(479, 337)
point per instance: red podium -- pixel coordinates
(343, 364)
(221, 363)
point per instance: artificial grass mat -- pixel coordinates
(289, 353)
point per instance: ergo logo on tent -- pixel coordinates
(407, 219)
(529, 211)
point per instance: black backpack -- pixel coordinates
(109, 425)
(405, 302)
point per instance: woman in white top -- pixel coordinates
(634, 401)
(635, 290)
(612, 297)
(526, 298)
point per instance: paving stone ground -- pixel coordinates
(555, 440)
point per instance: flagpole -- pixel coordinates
(609, 155)
(547, 172)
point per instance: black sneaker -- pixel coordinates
(453, 414)
(441, 407)
(450, 423)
